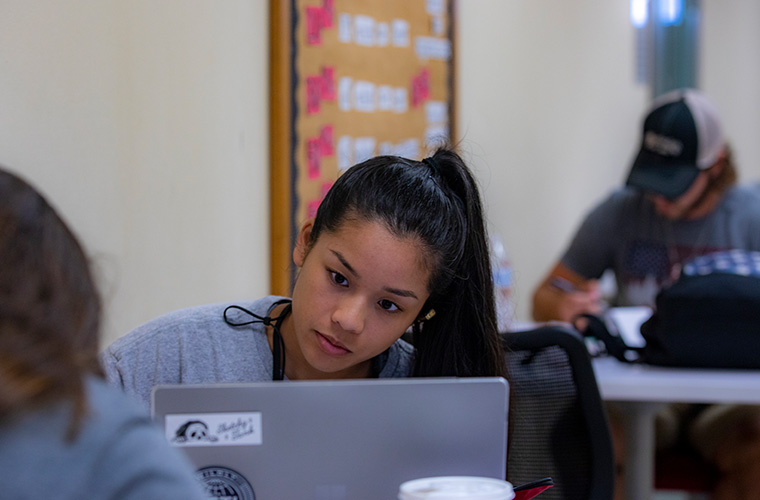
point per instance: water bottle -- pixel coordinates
(502, 283)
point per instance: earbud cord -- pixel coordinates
(278, 346)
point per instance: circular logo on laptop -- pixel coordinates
(221, 482)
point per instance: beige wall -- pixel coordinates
(730, 73)
(550, 117)
(146, 124)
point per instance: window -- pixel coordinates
(667, 36)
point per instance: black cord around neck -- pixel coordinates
(278, 345)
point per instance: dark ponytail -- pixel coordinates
(462, 338)
(437, 201)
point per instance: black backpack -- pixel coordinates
(708, 318)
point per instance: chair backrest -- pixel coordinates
(558, 424)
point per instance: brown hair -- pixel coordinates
(49, 306)
(728, 175)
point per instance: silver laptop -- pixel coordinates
(331, 440)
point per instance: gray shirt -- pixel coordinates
(119, 454)
(624, 233)
(196, 346)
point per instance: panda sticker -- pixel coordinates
(193, 431)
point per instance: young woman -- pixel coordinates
(395, 244)
(64, 432)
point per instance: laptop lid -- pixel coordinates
(335, 440)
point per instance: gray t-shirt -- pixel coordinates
(119, 454)
(196, 346)
(625, 234)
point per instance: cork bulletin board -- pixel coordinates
(349, 80)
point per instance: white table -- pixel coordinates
(642, 390)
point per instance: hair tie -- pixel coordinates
(430, 162)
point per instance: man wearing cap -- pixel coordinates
(680, 201)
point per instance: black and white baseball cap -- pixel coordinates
(682, 136)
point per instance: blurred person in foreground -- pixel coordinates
(65, 433)
(681, 201)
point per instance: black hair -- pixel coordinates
(436, 201)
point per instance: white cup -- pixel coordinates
(456, 488)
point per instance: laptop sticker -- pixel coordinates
(213, 429)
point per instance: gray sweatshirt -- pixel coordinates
(119, 454)
(196, 346)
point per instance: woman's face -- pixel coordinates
(358, 290)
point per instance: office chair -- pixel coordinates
(558, 425)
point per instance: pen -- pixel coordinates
(562, 284)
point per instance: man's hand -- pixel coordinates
(564, 294)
